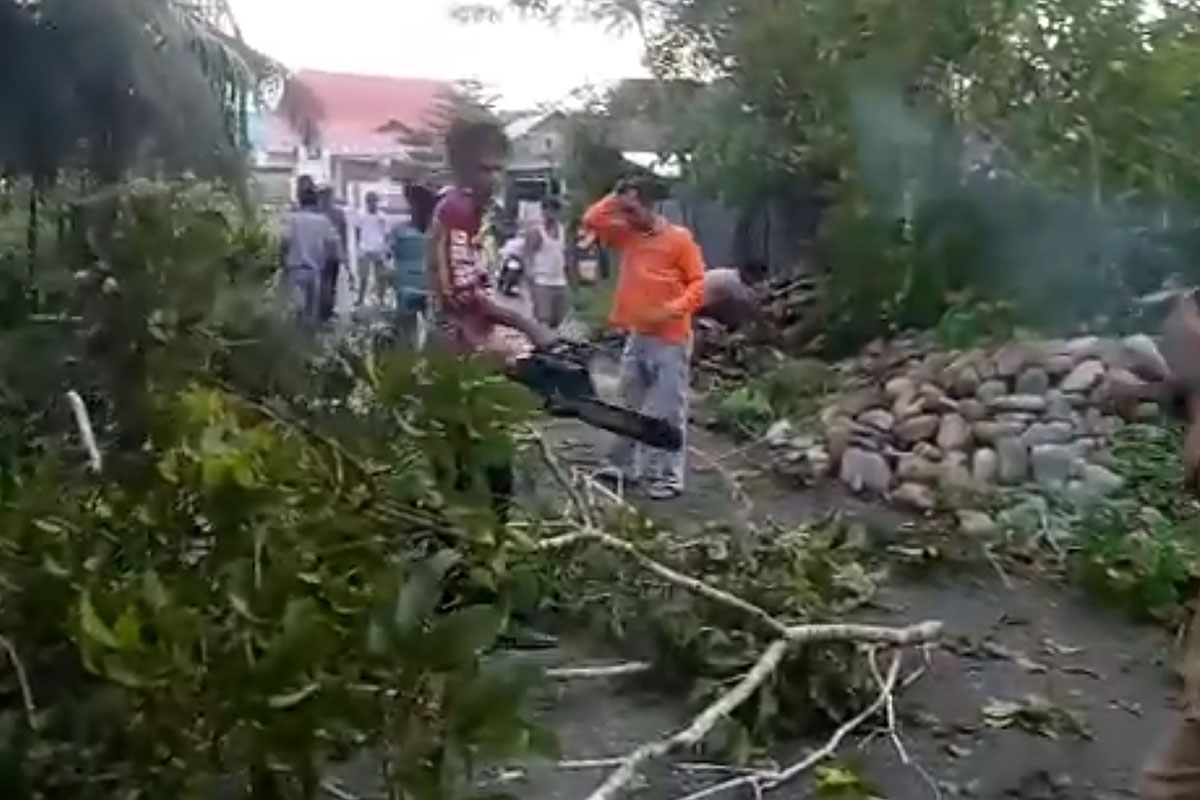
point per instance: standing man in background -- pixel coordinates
(545, 256)
(329, 273)
(310, 244)
(409, 259)
(659, 289)
(374, 230)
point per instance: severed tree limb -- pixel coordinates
(602, 671)
(22, 681)
(770, 780)
(788, 637)
(84, 423)
(560, 475)
(690, 736)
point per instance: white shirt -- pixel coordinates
(549, 267)
(373, 232)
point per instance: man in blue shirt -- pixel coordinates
(411, 263)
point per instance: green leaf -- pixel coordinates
(154, 592)
(128, 628)
(93, 628)
(459, 637)
(420, 594)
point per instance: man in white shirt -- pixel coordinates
(545, 258)
(374, 232)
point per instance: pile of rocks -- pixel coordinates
(930, 427)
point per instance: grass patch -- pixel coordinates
(792, 390)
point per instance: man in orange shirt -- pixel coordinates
(659, 288)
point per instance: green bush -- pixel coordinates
(280, 566)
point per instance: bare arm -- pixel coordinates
(605, 220)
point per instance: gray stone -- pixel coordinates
(1100, 481)
(953, 433)
(954, 473)
(915, 429)
(1048, 433)
(1033, 380)
(915, 496)
(1144, 358)
(1057, 406)
(912, 468)
(900, 386)
(1084, 377)
(985, 466)
(865, 471)
(1083, 347)
(992, 431)
(1057, 366)
(1016, 356)
(1147, 412)
(976, 523)
(1052, 464)
(837, 437)
(991, 390)
(856, 403)
(878, 419)
(779, 434)
(928, 451)
(1027, 403)
(1014, 460)
(1084, 448)
(972, 410)
(965, 383)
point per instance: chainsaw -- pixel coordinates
(561, 376)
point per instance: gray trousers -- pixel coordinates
(654, 380)
(300, 288)
(549, 304)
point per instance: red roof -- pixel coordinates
(352, 109)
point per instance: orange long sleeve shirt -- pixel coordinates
(660, 270)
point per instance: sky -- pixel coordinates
(525, 63)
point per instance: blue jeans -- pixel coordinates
(654, 380)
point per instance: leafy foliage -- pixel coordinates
(1139, 549)
(113, 84)
(809, 575)
(1035, 151)
(287, 559)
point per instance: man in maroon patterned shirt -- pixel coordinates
(466, 310)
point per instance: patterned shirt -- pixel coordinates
(461, 312)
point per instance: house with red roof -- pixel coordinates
(351, 132)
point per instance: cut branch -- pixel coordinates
(700, 727)
(603, 671)
(84, 423)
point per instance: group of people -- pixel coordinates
(662, 287)
(439, 265)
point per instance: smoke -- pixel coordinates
(1067, 259)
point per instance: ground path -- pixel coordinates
(1009, 638)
